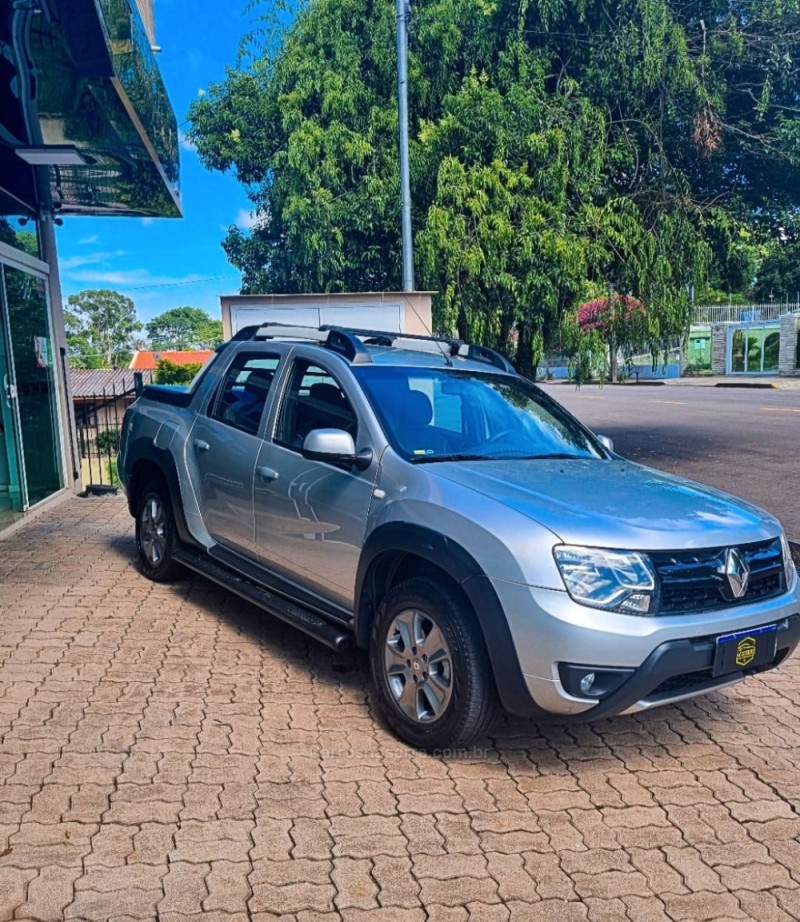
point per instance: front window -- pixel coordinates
(313, 400)
(446, 414)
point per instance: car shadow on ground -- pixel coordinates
(512, 738)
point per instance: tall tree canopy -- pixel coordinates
(184, 328)
(561, 149)
(100, 326)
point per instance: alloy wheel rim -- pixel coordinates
(418, 666)
(154, 530)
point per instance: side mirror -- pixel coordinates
(606, 442)
(335, 446)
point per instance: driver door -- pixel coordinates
(310, 516)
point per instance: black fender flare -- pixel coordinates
(449, 556)
(144, 450)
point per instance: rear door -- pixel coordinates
(223, 448)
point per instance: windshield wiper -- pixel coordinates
(426, 459)
(553, 456)
(557, 456)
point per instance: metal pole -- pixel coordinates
(402, 110)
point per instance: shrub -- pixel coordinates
(107, 441)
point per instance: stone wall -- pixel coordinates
(787, 361)
(719, 348)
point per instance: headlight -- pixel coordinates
(616, 580)
(788, 563)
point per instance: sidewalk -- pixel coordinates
(169, 753)
(763, 381)
(728, 381)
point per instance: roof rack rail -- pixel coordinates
(490, 356)
(387, 337)
(338, 340)
(349, 342)
(288, 331)
(244, 334)
(346, 343)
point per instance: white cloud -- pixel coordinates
(146, 222)
(70, 263)
(185, 143)
(201, 92)
(245, 219)
(87, 240)
(132, 278)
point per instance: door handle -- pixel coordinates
(200, 445)
(267, 473)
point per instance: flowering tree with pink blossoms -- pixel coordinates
(606, 327)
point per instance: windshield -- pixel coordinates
(442, 414)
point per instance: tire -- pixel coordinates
(156, 536)
(447, 700)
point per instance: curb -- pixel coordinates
(563, 381)
(773, 387)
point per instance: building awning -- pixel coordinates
(86, 109)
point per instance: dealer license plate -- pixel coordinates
(745, 649)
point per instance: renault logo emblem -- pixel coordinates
(737, 572)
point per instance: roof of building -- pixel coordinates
(103, 382)
(146, 361)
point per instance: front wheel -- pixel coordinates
(155, 534)
(430, 667)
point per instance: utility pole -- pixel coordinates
(403, 8)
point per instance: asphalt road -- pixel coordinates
(744, 441)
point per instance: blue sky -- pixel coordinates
(168, 262)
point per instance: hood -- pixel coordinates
(614, 503)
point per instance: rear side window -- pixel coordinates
(243, 393)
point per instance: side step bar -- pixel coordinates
(308, 622)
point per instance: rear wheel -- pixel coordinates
(156, 536)
(430, 667)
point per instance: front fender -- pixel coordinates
(450, 557)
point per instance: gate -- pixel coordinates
(99, 411)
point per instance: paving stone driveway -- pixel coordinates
(166, 752)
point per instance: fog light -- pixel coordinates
(592, 681)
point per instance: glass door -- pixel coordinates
(754, 349)
(11, 502)
(31, 390)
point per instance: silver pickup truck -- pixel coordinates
(414, 497)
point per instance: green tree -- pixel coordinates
(779, 275)
(100, 326)
(168, 372)
(560, 148)
(24, 240)
(184, 328)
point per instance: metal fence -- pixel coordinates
(98, 423)
(742, 313)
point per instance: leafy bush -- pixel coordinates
(107, 441)
(168, 372)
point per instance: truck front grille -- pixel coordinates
(695, 581)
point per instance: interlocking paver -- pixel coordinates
(168, 753)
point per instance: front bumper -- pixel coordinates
(670, 658)
(681, 669)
